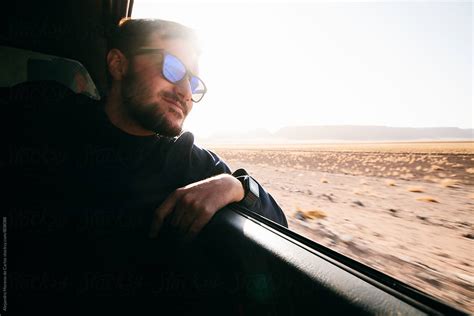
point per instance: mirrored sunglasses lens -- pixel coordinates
(173, 69)
(194, 82)
(198, 88)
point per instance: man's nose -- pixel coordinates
(183, 90)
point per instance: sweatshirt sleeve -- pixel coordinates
(199, 163)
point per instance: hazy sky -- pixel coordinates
(268, 64)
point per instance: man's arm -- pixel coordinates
(209, 186)
(191, 207)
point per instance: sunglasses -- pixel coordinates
(174, 71)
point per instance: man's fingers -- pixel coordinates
(186, 221)
(161, 213)
(198, 224)
(186, 210)
(182, 205)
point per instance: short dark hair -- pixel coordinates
(131, 34)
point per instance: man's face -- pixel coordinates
(149, 99)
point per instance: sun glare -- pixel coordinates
(269, 65)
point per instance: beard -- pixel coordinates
(148, 115)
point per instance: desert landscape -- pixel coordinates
(405, 209)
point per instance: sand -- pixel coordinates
(404, 209)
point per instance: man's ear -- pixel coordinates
(117, 64)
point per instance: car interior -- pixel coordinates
(241, 263)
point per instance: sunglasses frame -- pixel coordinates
(151, 50)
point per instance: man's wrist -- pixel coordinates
(239, 191)
(251, 190)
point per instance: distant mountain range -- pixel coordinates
(348, 133)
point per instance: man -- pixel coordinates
(102, 177)
(153, 67)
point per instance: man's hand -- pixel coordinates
(192, 207)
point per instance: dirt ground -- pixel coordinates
(406, 209)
